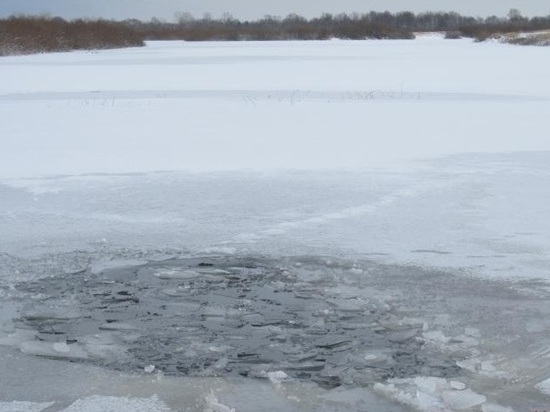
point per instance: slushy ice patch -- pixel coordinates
(227, 316)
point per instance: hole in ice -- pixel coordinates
(225, 316)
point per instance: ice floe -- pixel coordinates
(431, 394)
(118, 404)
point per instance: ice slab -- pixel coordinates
(117, 326)
(463, 399)
(23, 406)
(493, 407)
(118, 404)
(177, 274)
(431, 394)
(544, 386)
(214, 405)
(57, 350)
(18, 337)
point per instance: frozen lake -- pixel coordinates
(286, 226)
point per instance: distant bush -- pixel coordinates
(453, 35)
(497, 27)
(372, 25)
(292, 27)
(25, 35)
(534, 39)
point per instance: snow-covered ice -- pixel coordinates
(280, 105)
(414, 175)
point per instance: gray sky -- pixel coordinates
(252, 9)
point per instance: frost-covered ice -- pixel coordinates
(23, 406)
(404, 180)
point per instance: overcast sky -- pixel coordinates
(252, 9)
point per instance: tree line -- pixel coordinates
(373, 25)
(26, 35)
(29, 34)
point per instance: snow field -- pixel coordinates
(285, 105)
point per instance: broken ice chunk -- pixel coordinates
(49, 350)
(488, 366)
(104, 345)
(175, 292)
(544, 387)
(171, 274)
(44, 314)
(427, 402)
(117, 326)
(212, 271)
(469, 364)
(430, 385)
(472, 332)
(493, 407)
(402, 336)
(214, 405)
(221, 312)
(277, 377)
(18, 337)
(61, 347)
(457, 385)
(220, 364)
(435, 336)
(463, 399)
(118, 404)
(377, 357)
